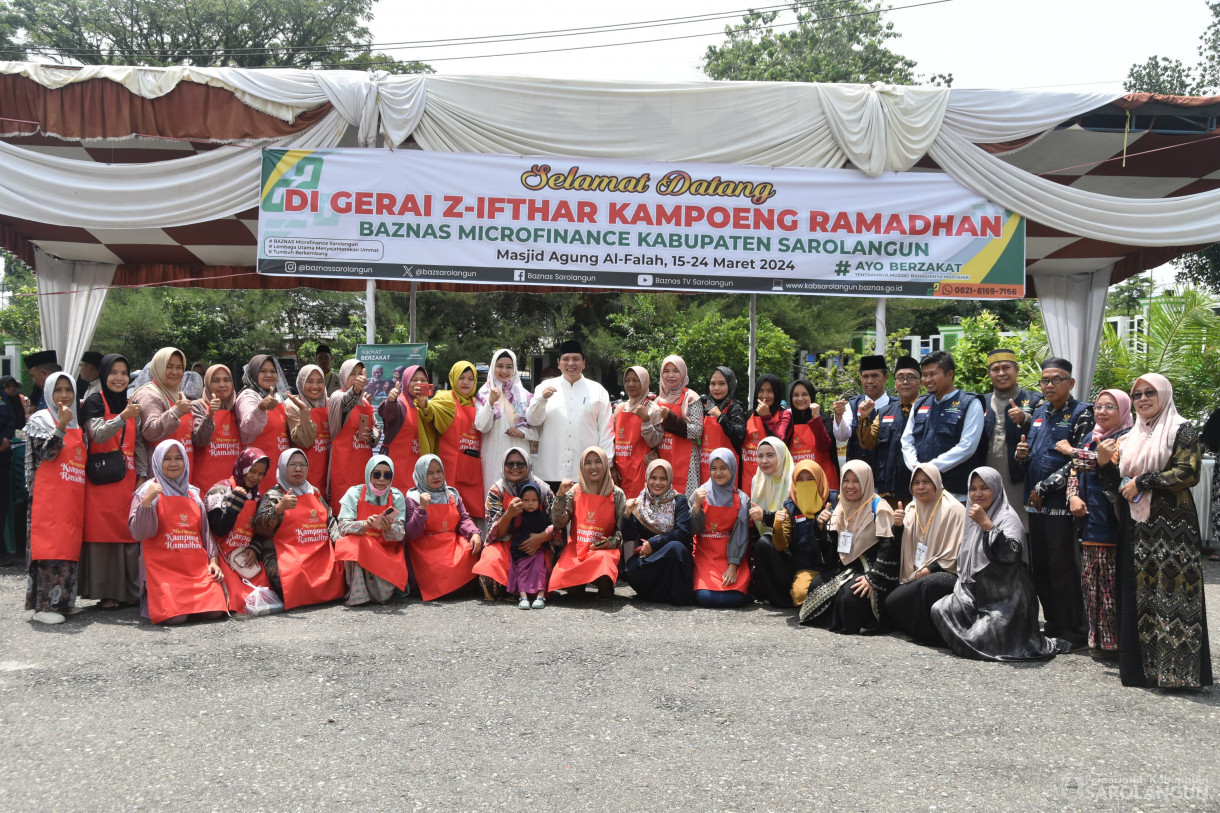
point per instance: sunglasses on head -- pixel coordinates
(382, 475)
(514, 464)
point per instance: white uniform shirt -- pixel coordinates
(576, 417)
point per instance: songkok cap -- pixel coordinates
(38, 359)
(872, 363)
(571, 346)
(1058, 364)
(322, 348)
(92, 357)
(1001, 354)
(906, 363)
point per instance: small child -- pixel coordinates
(528, 571)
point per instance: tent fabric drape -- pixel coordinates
(1074, 311)
(69, 319)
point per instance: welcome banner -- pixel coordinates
(493, 219)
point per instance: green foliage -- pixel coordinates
(1128, 297)
(980, 335)
(19, 317)
(241, 33)
(831, 42)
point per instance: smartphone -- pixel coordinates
(364, 423)
(388, 511)
(426, 390)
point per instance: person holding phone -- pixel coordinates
(408, 437)
(372, 526)
(353, 431)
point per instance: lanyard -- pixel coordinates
(923, 532)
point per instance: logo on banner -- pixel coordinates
(290, 267)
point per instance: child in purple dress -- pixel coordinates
(527, 575)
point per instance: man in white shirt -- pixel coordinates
(874, 374)
(572, 413)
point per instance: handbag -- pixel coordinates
(104, 468)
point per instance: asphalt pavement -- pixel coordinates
(460, 705)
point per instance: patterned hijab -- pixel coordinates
(658, 510)
(511, 489)
(281, 474)
(1149, 445)
(250, 457)
(514, 398)
(856, 518)
(769, 491)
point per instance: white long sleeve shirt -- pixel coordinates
(576, 417)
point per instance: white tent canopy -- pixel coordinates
(876, 129)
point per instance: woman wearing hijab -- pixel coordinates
(500, 414)
(181, 562)
(230, 505)
(771, 483)
(992, 613)
(637, 430)
(1097, 519)
(294, 530)
(458, 442)
(503, 505)
(1162, 624)
(594, 509)
(164, 407)
(929, 536)
(407, 436)
(720, 520)
(657, 522)
(110, 558)
(214, 429)
(443, 543)
(849, 596)
(353, 431)
(724, 418)
(788, 559)
(682, 419)
(808, 436)
(309, 423)
(262, 419)
(767, 419)
(55, 525)
(371, 527)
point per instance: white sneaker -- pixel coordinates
(48, 618)
(74, 610)
(523, 604)
(539, 603)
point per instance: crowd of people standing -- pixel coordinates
(956, 516)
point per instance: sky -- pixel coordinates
(983, 43)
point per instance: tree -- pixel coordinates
(19, 316)
(1128, 297)
(240, 33)
(1170, 77)
(830, 42)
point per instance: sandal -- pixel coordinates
(1214, 556)
(108, 604)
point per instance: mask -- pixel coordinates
(808, 498)
(380, 492)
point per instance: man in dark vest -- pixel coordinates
(873, 377)
(1054, 552)
(40, 365)
(945, 427)
(881, 429)
(1008, 411)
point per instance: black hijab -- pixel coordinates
(776, 387)
(116, 401)
(731, 378)
(800, 416)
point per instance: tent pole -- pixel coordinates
(370, 311)
(753, 343)
(411, 313)
(880, 327)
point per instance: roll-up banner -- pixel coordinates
(410, 215)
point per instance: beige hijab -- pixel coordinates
(1149, 445)
(605, 486)
(940, 525)
(858, 519)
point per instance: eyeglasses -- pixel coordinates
(1053, 382)
(297, 464)
(382, 475)
(906, 379)
(1139, 396)
(1105, 408)
(514, 464)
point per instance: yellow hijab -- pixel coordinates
(443, 407)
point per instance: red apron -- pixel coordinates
(273, 440)
(214, 462)
(236, 539)
(712, 549)
(462, 470)
(630, 452)
(755, 432)
(176, 564)
(57, 515)
(107, 506)
(494, 561)
(371, 550)
(810, 445)
(349, 455)
(183, 436)
(677, 450)
(592, 519)
(318, 454)
(309, 572)
(713, 438)
(440, 556)
(404, 448)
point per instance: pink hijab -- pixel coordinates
(1124, 407)
(676, 396)
(1149, 445)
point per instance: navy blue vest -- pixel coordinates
(1048, 427)
(805, 541)
(854, 450)
(890, 474)
(1028, 401)
(937, 428)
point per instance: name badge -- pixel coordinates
(844, 542)
(921, 553)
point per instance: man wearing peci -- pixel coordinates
(572, 413)
(1008, 411)
(873, 377)
(882, 429)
